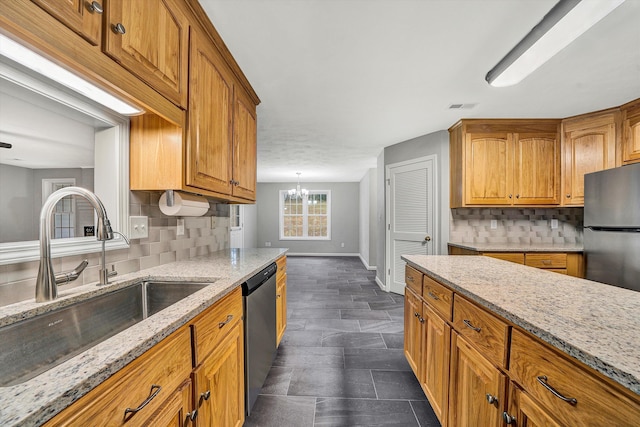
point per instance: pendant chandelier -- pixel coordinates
(297, 192)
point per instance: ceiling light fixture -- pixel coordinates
(28, 58)
(297, 192)
(564, 23)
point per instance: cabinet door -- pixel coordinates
(281, 308)
(210, 114)
(477, 388)
(526, 412)
(435, 362)
(631, 133)
(536, 170)
(244, 147)
(154, 45)
(587, 149)
(176, 410)
(412, 329)
(219, 383)
(489, 169)
(78, 15)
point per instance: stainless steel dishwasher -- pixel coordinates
(259, 301)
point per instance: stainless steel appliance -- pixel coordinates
(259, 297)
(612, 226)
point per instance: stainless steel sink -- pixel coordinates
(33, 346)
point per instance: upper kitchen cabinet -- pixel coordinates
(504, 163)
(631, 132)
(150, 39)
(244, 147)
(82, 16)
(589, 145)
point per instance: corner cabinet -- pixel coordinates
(631, 132)
(588, 145)
(477, 369)
(504, 163)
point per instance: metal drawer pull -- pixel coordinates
(409, 279)
(205, 395)
(192, 415)
(508, 419)
(542, 379)
(421, 319)
(492, 399)
(152, 394)
(416, 314)
(469, 325)
(229, 318)
(95, 7)
(118, 28)
(546, 261)
(434, 296)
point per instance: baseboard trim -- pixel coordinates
(382, 286)
(321, 254)
(367, 266)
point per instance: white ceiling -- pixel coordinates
(341, 79)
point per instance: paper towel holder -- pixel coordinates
(170, 197)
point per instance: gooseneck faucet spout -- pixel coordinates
(46, 282)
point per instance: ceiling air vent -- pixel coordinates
(461, 106)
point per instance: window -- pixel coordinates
(64, 213)
(234, 217)
(305, 217)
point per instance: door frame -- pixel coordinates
(387, 202)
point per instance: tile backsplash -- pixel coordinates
(203, 235)
(529, 225)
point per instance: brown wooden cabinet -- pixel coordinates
(281, 298)
(82, 16)
(589, 145)
(631, 132)
(504, 162)
(477, 388)
(150, 39)
(413, 329)
(524, 411)
(176, 410)
(436, 345)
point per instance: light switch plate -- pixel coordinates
(180, 228)
(138, 227)
(494, 224)
(554, 223)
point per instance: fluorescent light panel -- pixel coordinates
(567, 21)
(47, 68)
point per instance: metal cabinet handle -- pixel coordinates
(546, 261)
(509, 195)
(517, 196)
(421, 319)
(568, 196)
(434, 296)
(542, 379)
(96, 7)
(409, 279)
(492, 399)
(278, 296)
(416, 314)
(205, 395)
(229, 318)
(508, 419)
(469, 325)
(192, 415)
(118, 28)
(152, 395)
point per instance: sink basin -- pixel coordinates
(35, 345)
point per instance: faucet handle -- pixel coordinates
(69, 276)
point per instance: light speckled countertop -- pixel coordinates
(520, 247)
(595, 323)
(39, 399)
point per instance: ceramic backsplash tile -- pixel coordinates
(473, 225)
(202, 236)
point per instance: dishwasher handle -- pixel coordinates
(258, 279)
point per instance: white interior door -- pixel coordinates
(236, 229)
(411, 215)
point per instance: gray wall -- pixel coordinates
(344, 218)
(250, 225)
(434, 143)
(368, 227)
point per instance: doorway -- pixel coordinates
(411, 211)
(236, 229)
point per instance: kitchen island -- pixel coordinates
(585, 324)
(37, 400)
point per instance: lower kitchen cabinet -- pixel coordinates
(477, 388)
(176, 410)
(413, 329)
(524, 411)
(281, 298)
(219, 383)
(436, 344)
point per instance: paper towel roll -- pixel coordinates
(184, 204)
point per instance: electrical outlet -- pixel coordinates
(138, 227)
(180, 228)
(554, 224)
(494, 224)
(267, 244)
(342, 245)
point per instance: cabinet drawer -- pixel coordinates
(437, 296)
(597, 404)
(212, 325)
(546, 260)
(482, 329)
(517, 257)
(413, 279)
(166, 365)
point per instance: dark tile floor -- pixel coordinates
(340, 362)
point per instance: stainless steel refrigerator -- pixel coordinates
(612, 226)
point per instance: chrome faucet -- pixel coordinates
(47, 282)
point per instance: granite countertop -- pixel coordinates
(39, 399)
(520, 247)
(595, 323)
